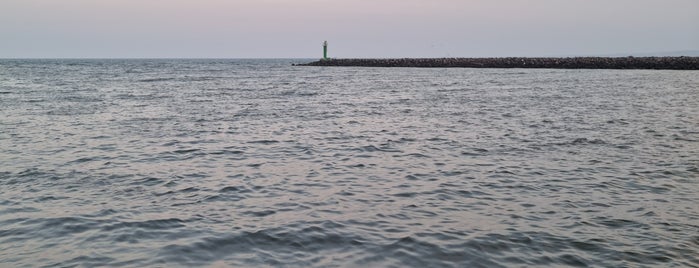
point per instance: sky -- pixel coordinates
(353, 28)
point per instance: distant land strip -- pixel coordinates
(653, 63)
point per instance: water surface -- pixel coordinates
(258, 163)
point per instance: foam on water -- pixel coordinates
(258, 163)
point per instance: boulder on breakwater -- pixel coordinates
(655, 63)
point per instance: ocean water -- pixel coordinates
(180, 163)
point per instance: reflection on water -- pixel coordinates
(258, 163)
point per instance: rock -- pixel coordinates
(666, 63)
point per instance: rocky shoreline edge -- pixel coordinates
(653, 63)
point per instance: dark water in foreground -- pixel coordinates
(257, 163)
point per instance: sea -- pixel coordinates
(258, 163)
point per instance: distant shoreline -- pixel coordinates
(649, 63)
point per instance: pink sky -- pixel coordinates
(354, 28)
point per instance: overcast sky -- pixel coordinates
(354, 28)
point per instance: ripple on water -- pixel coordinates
(158, 163)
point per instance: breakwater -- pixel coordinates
(657, 63)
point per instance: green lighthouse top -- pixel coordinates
(325, 50)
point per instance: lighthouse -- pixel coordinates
(325, 50)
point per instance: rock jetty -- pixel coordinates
(655, 63)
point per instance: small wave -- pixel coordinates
(185, 190)
(149, 181)
(151, 80)
(580, 141)
(264, 142)
(621, 223)
(475, 152)
(83, 160)
(418, 155)
(32, 172)
(263, 213)
(85, 261)
(49, 198)
(407, 194)
(201, 78)
(415, 252)
(684, 138)
(291, 244)
(235, 189)
(618, 121)
(59, 227)
(299, 93)
(372, 148)
(19, 210)
(161, 224)
(185, 151)
(103, 213)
